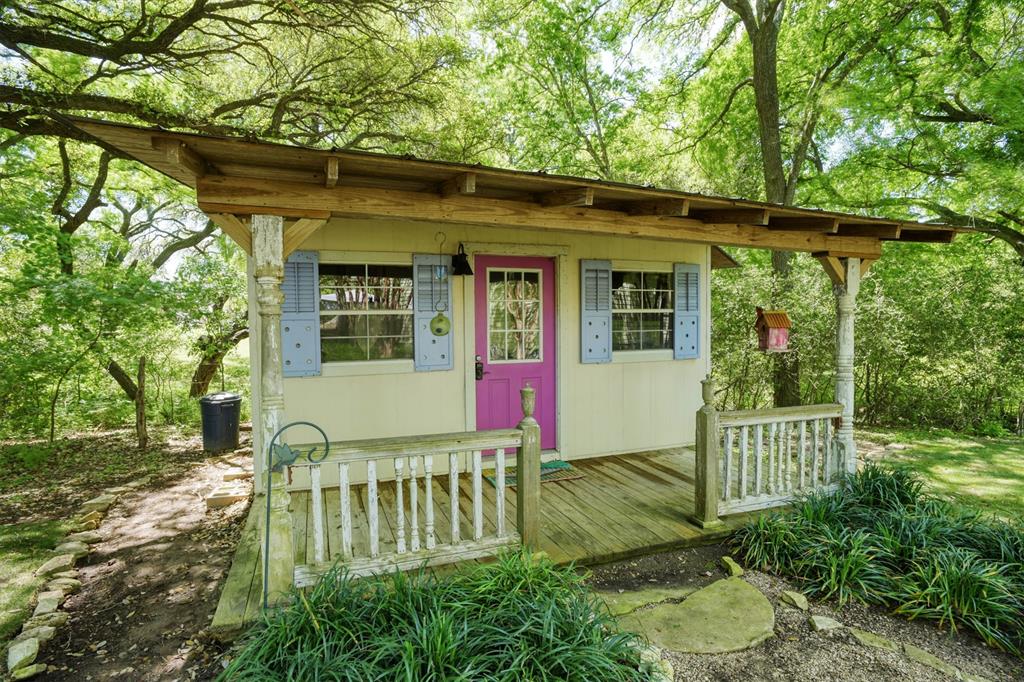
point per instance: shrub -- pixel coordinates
(771, 542)
(840, 563)
(953, 585)
(882, 539)
(512, 620)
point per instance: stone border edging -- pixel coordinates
(61, 581)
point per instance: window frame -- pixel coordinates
(366, 366)
(643, 354)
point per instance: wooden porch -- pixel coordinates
(622, 506)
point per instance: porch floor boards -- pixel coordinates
(625, 505)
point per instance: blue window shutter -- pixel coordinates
(430, 296)
(300, 315)
(595, 311)
(686, 337)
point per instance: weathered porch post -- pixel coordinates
(267, 240)
(528, 474)
(705, 488)
(846, 308)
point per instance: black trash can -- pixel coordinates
(220, 413)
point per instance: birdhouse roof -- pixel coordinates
(776, 319)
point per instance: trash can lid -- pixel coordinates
(220, 397)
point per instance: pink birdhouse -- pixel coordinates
(772, 330)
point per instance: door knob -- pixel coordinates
(479, 368)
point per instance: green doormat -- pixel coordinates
(555, 470)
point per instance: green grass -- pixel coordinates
(515, 619)
(987, 473)
(23, 548)
(883, 538)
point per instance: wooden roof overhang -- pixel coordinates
(236, 178)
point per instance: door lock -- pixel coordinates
(479, 369)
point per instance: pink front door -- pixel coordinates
(515, 341)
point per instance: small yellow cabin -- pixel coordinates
(479, 357)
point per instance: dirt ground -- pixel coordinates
(796, 652)
(151, 586)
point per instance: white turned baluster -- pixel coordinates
(787, 482)
(829, 454)
(727, 474)
(399, 506)
(758, 453)
(478, 505)
(772, 487)
(801, 462)
(816, 440)
(428, 468)
(344, 490)
(371, 491)
(453, 494)
(318, 513)
(743, 462)
(499, 479)
(414, 513)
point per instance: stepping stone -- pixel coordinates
(65, 585)
(727, 615)
(89, 537)
(824, 623)
(21, 654)
(87, 517)
(872, 640)
(66, 574)
(119, 490)
(78, 549)
(237, 475)
(55, 619)
(44, 633)
(925, 658)
(224, 496)
(61, 562)
(733, 568)
(47, 602)
(99, 503)
(795, 599)
(621, 603)
(28, 671)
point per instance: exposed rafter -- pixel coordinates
(463, 183)
(578, 196)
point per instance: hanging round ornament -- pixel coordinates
(440, 325)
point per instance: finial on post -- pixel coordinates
(708, 390)
(529, 402)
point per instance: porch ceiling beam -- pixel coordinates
(233, 227)
(661, 207)
(833, 267)
(178, 154)
(222, 194)
(576, 196)
(805, 223)
(927, 236)
(331, 171)
(463, 183)
(880, 230)
(746, 216)
(299, 231)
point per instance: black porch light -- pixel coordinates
(460, 263)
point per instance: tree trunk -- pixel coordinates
(122, 378)
(212, 360)
(140, 406)
(763, 32)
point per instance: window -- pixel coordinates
(365, 312)
(514, 315)
(642, 310)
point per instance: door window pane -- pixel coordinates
(514, 315)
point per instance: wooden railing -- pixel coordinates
(755, 459)
(767, 456)
(412, 536)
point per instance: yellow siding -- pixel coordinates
(640, 401)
